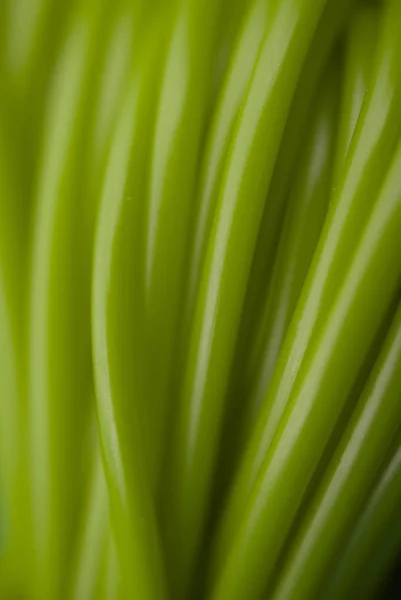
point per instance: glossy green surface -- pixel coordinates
(379, 566)
(359, 58)
(219, 138)
(339, 347)
(305, 214)
(180, 122)
(245, 181)
(60, 370)
(292, 144)
(374, 539)
(350, 475)
(110, 588)
(13, 405)
(324, 39)
(93, 536)
(217, 147)
(118, 336)
(372, 146)
(34, 34)
(54, 370)
(199, 267)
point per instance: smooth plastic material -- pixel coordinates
(350, 474)
(119, 343)
(373, 541)
(245, 182)
(371, 150)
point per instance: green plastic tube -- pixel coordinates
(305, 214)
(383, 560)
(60, 364)
(331, 24)
(371, 149)
(34, 33)
(373, 541)
(111, 587)
(12, 286)
(246, 178)
(119, 343)
(93, 536)
(231, 22)
(14, 522)
(329, 371)
(292, 260)
(349, 477)
(180, 123)
(200, 216)
(360, 47)
(219, 138)
(25, 38)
